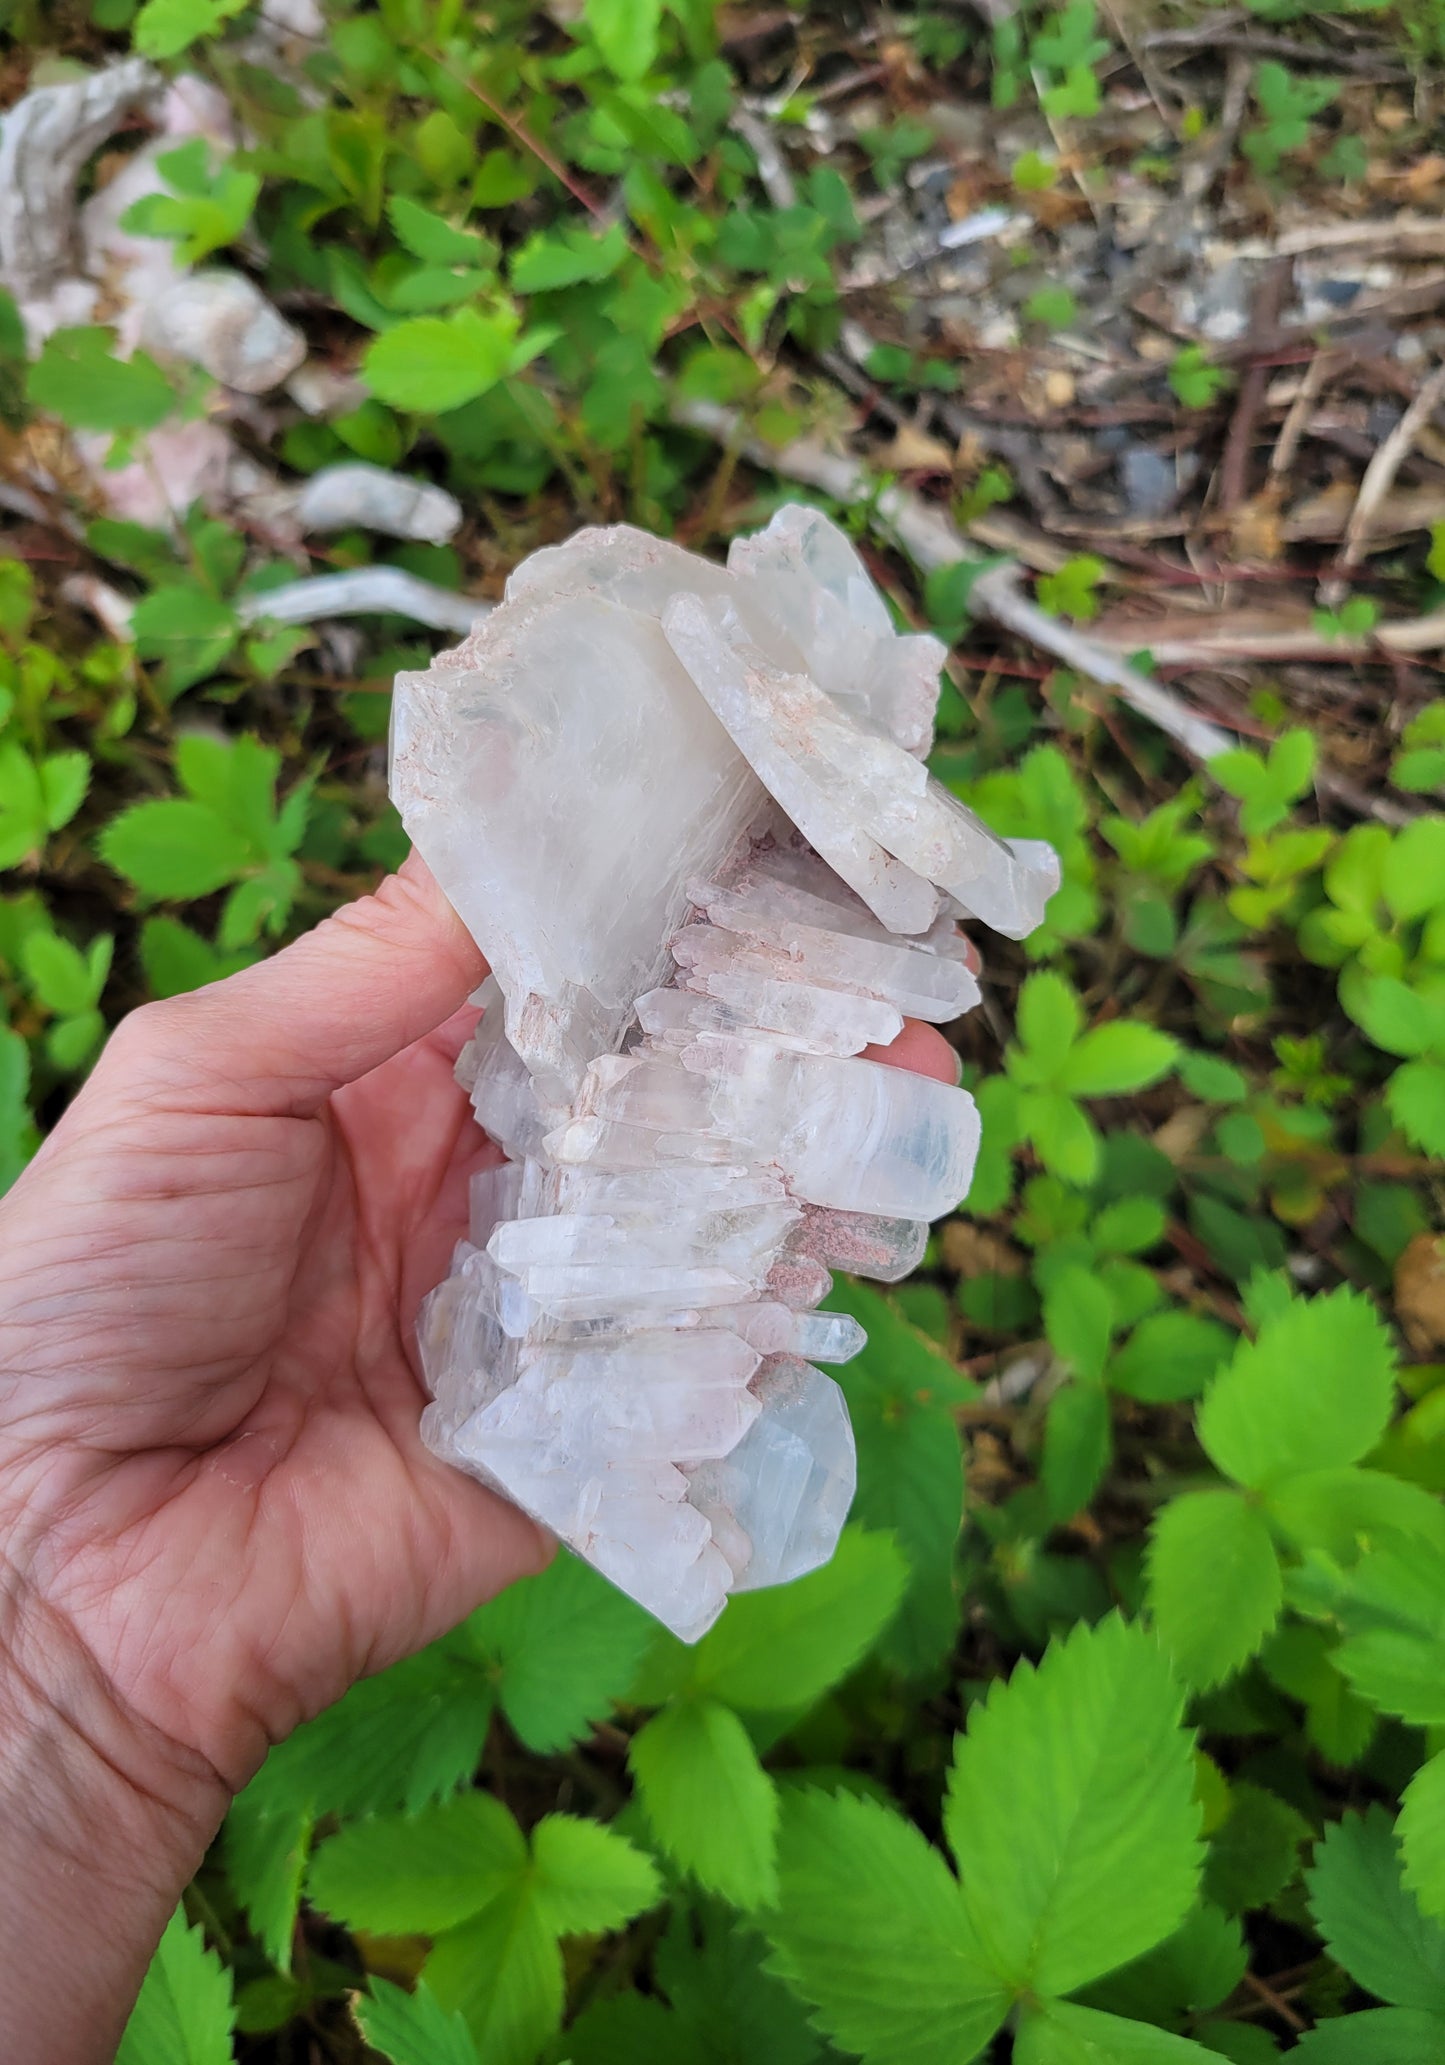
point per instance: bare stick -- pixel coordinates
(998, 594)
(369, 591)
(1378, 480)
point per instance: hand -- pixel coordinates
(215, 1508)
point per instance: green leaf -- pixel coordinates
(1394, 1649)
(430, 236)
(164, 28)
(564, 258)
(176, 959)
(184, 2015)
(1169, 1356)
(503, 1971)
(1049, 1020)
(65, 980)
(566, 1645)
(1255, 1852)
(1079, 1320)
(1415, 1096)
(1071, 1810)
(174, 849)
(266, 1856)
(1420, 1831)
(407, 1736)
(626, 33)
(412, 2028)
(432, 363)
(870, 1927)
(1370, 1924)
(1312, 1392)
(79, 378)
(784, 1647)
(400, 1875)
(1400, 1019)
(64, 779)
(1078, 1444)
(1114, 1059)
(587, 1879)
(1380, 2036)
(1215, 1585)
(1059, 2033)
(188, 628)
(712, 1806)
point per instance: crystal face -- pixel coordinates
(681, 809)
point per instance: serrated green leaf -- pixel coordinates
(1313, 1392)
(1255, 1853)
(1058, 2032)
(587, 1878)
(1215, 1584)
(712, 1806)
(184, 2015)
(503, 1972)
(1420, 1832)
(566, 1645)
(176, 959)
(60, 972)
(1071, 1811)
(785, 1646)
(79, 378)
(1415, 1096)
(266, 1856)
(430, 363)
(174, 849)
(412, 2028)
(1169, 1356)
(408, 1736)
(871, 1929)
(1195, 1969)
(418, 1874)
(1371, 1925)
(1049, 1020)
(430, 236)
(1112, 1060)
(1079, 1319)
(164, 28)
(63, 779)
(567, 257)
(1379, 2036)
(1078, 1443)
(1350, 1512)
(626, 32)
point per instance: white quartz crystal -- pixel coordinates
(681, 809)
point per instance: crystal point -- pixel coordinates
(681, 809)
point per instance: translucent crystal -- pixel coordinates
(680, 808)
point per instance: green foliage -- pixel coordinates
(1196, 382)
(1179, 1352)
(79, 378)
(206, 208)
(1287, 105)
(1056, 1062)
(184, 2014)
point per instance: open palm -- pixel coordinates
(211, 1480)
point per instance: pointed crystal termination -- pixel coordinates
(680, 808)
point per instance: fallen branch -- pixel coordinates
(369, 591)
(998, 594)
(1379, 478)
(931, 540)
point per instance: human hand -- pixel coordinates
(215, 1508)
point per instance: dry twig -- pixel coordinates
(1379, 479)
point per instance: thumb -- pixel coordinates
(280, 1037)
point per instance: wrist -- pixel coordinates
(103, 1821)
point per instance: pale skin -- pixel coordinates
(215, 1509)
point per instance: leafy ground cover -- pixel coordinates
(1116, 1730)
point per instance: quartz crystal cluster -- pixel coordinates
(684, 812)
